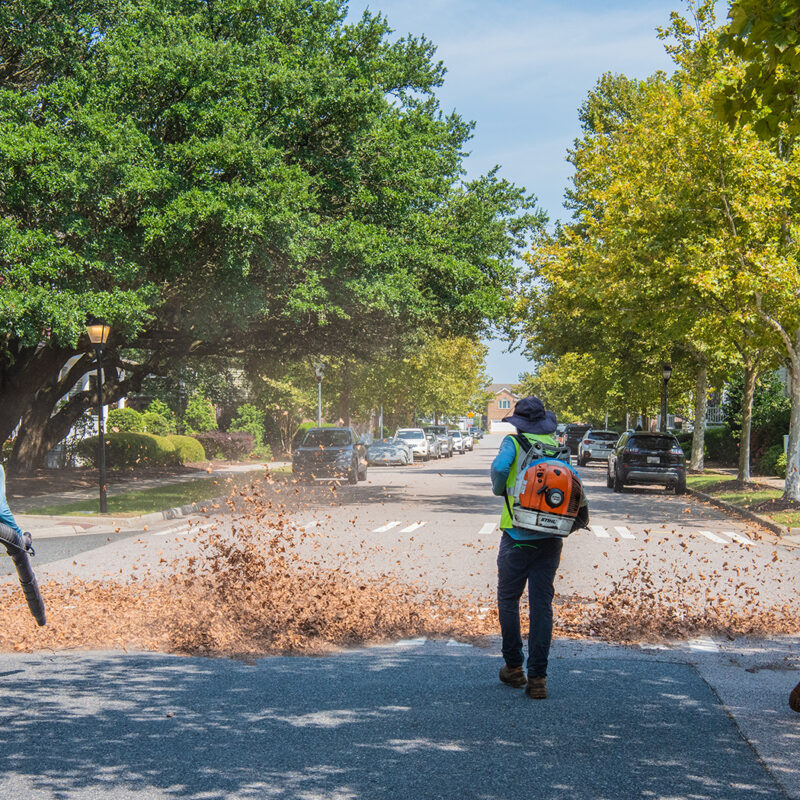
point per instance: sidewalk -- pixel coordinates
(772, 481)
(416, 719)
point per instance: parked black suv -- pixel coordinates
(647, 457)
(331, 453)
(572, 436)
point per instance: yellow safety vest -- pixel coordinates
(505, 518)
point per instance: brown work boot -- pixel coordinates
(794, 699)
(536, 688)
(513, 676)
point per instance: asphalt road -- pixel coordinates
(700, 719)
(414, 720)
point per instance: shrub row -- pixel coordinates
(721, 445)
(124, 450)
(129, 420)
(230, 446)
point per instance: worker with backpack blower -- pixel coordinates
(543, 503)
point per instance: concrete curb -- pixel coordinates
(745, 513)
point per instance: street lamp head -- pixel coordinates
(98, 330)
(666, 371)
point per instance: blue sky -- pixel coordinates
(520, 70)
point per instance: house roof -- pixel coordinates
(496, 388)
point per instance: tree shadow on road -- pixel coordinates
(427, 720)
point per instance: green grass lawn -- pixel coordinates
(144, 501)
(745, 499)
(702, 482)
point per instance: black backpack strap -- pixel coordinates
(522, 442)
(508, 504)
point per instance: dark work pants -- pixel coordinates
(534, 563)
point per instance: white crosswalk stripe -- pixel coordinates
(412, 527)
(712, 537)
(388, 526)
(737, 537)
(185, 528)
(600, 531)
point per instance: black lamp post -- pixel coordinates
(666, 374)
(319, 371)
(98, 331)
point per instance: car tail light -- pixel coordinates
(589, 441)
(677, 450)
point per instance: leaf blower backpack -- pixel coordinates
(547, 495)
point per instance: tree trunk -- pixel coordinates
(41, 429)
(791, 490)
(21, 377)
(697, 461)
(750, 375)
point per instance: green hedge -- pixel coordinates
(780, 465)
(721, 445)
(769, 459)
(124, 420)
(124, 450)
(157, 424)
(188, 448)
(230, 446)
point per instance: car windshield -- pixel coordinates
(651, 443)
(410, 435)
(327, 438)
(455, 434)
(603, 436)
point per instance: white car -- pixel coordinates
(459, 446)
(469, 441)
(596, 445)
(418, 441)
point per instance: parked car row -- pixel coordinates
(436, 441)
(635, 457)
(341, 453)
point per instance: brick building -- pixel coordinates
(501, 405)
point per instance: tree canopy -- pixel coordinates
(228, 177)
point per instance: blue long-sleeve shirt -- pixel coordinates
(6, 517)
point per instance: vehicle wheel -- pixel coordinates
(618, 484)
(680, 486)
(609, 480)
(581, 461)
(352, 475)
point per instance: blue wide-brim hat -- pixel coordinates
(530, 416)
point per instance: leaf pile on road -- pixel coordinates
(656, 600)
(260, 585)
(257, 590)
